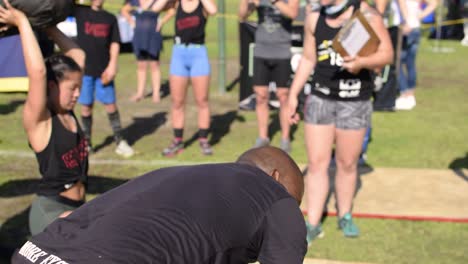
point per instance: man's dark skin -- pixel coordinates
(278, 165)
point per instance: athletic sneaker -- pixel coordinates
(261, 142)
(464, 41)
(285, 145)
(175, 148)
(124, 150)
(313, 232)
(405, 103)
(347, 225)
(205, 146)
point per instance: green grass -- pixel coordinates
(391, 241)
(433, 135)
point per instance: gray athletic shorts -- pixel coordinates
(343, 114)
(44, 211)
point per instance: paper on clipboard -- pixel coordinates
(356, 37)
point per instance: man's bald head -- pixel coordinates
(279, 165)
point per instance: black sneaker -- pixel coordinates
(205, 146)
(175, 148)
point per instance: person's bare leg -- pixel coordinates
(110, 108)
(201, 92)
(155, 80)
(282, 94)
(141, 81)
(319, 141)
(86, 110)
(178, 86)
(348, 148)
(261, 108)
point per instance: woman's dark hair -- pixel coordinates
(57, 65)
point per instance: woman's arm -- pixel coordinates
(67, 46)
(289, 9)
(210, 7)
(384, 53)
(160, 5)
(246, 8)
(167, 16)
(306, 65)
(430, 7)
(125, 12)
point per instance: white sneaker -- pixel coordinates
(405, 103)
(124, 150)
(464, 41)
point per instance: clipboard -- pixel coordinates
(356, 37)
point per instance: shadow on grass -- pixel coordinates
(458, 164)
(140, 127)
(15, 231)
(11, 107)
(362, 170)
(220, 127)
(13, 234)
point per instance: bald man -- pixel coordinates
(238, 212)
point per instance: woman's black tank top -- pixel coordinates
(330, 80)
(64, 161)
(190, 27)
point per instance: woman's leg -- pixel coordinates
(348, 147)
(282, 94)
(201, 92)
(142, 66)
(262, 111)
(411, 60)
(155, 80)
(178, 86)
(319, 141)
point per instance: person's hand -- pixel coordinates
(405, 29)
(292, 105)
(10, 16)
(352, 64)
(159, 25)
(108, 75)
(132, 22)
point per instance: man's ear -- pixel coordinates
(275, 174)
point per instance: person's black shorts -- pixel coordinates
(272, 70)
(146, 56)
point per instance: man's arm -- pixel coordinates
(284, 237)
(114, 50)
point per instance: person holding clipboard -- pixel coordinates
(338, 111)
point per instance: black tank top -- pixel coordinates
(330, 80)
(64, 161)
(190, 27)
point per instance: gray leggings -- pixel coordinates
(45, 210)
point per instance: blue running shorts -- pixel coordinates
(91, 87)
(190, 60)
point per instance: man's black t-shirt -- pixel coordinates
(218, 213)
(96, 31)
